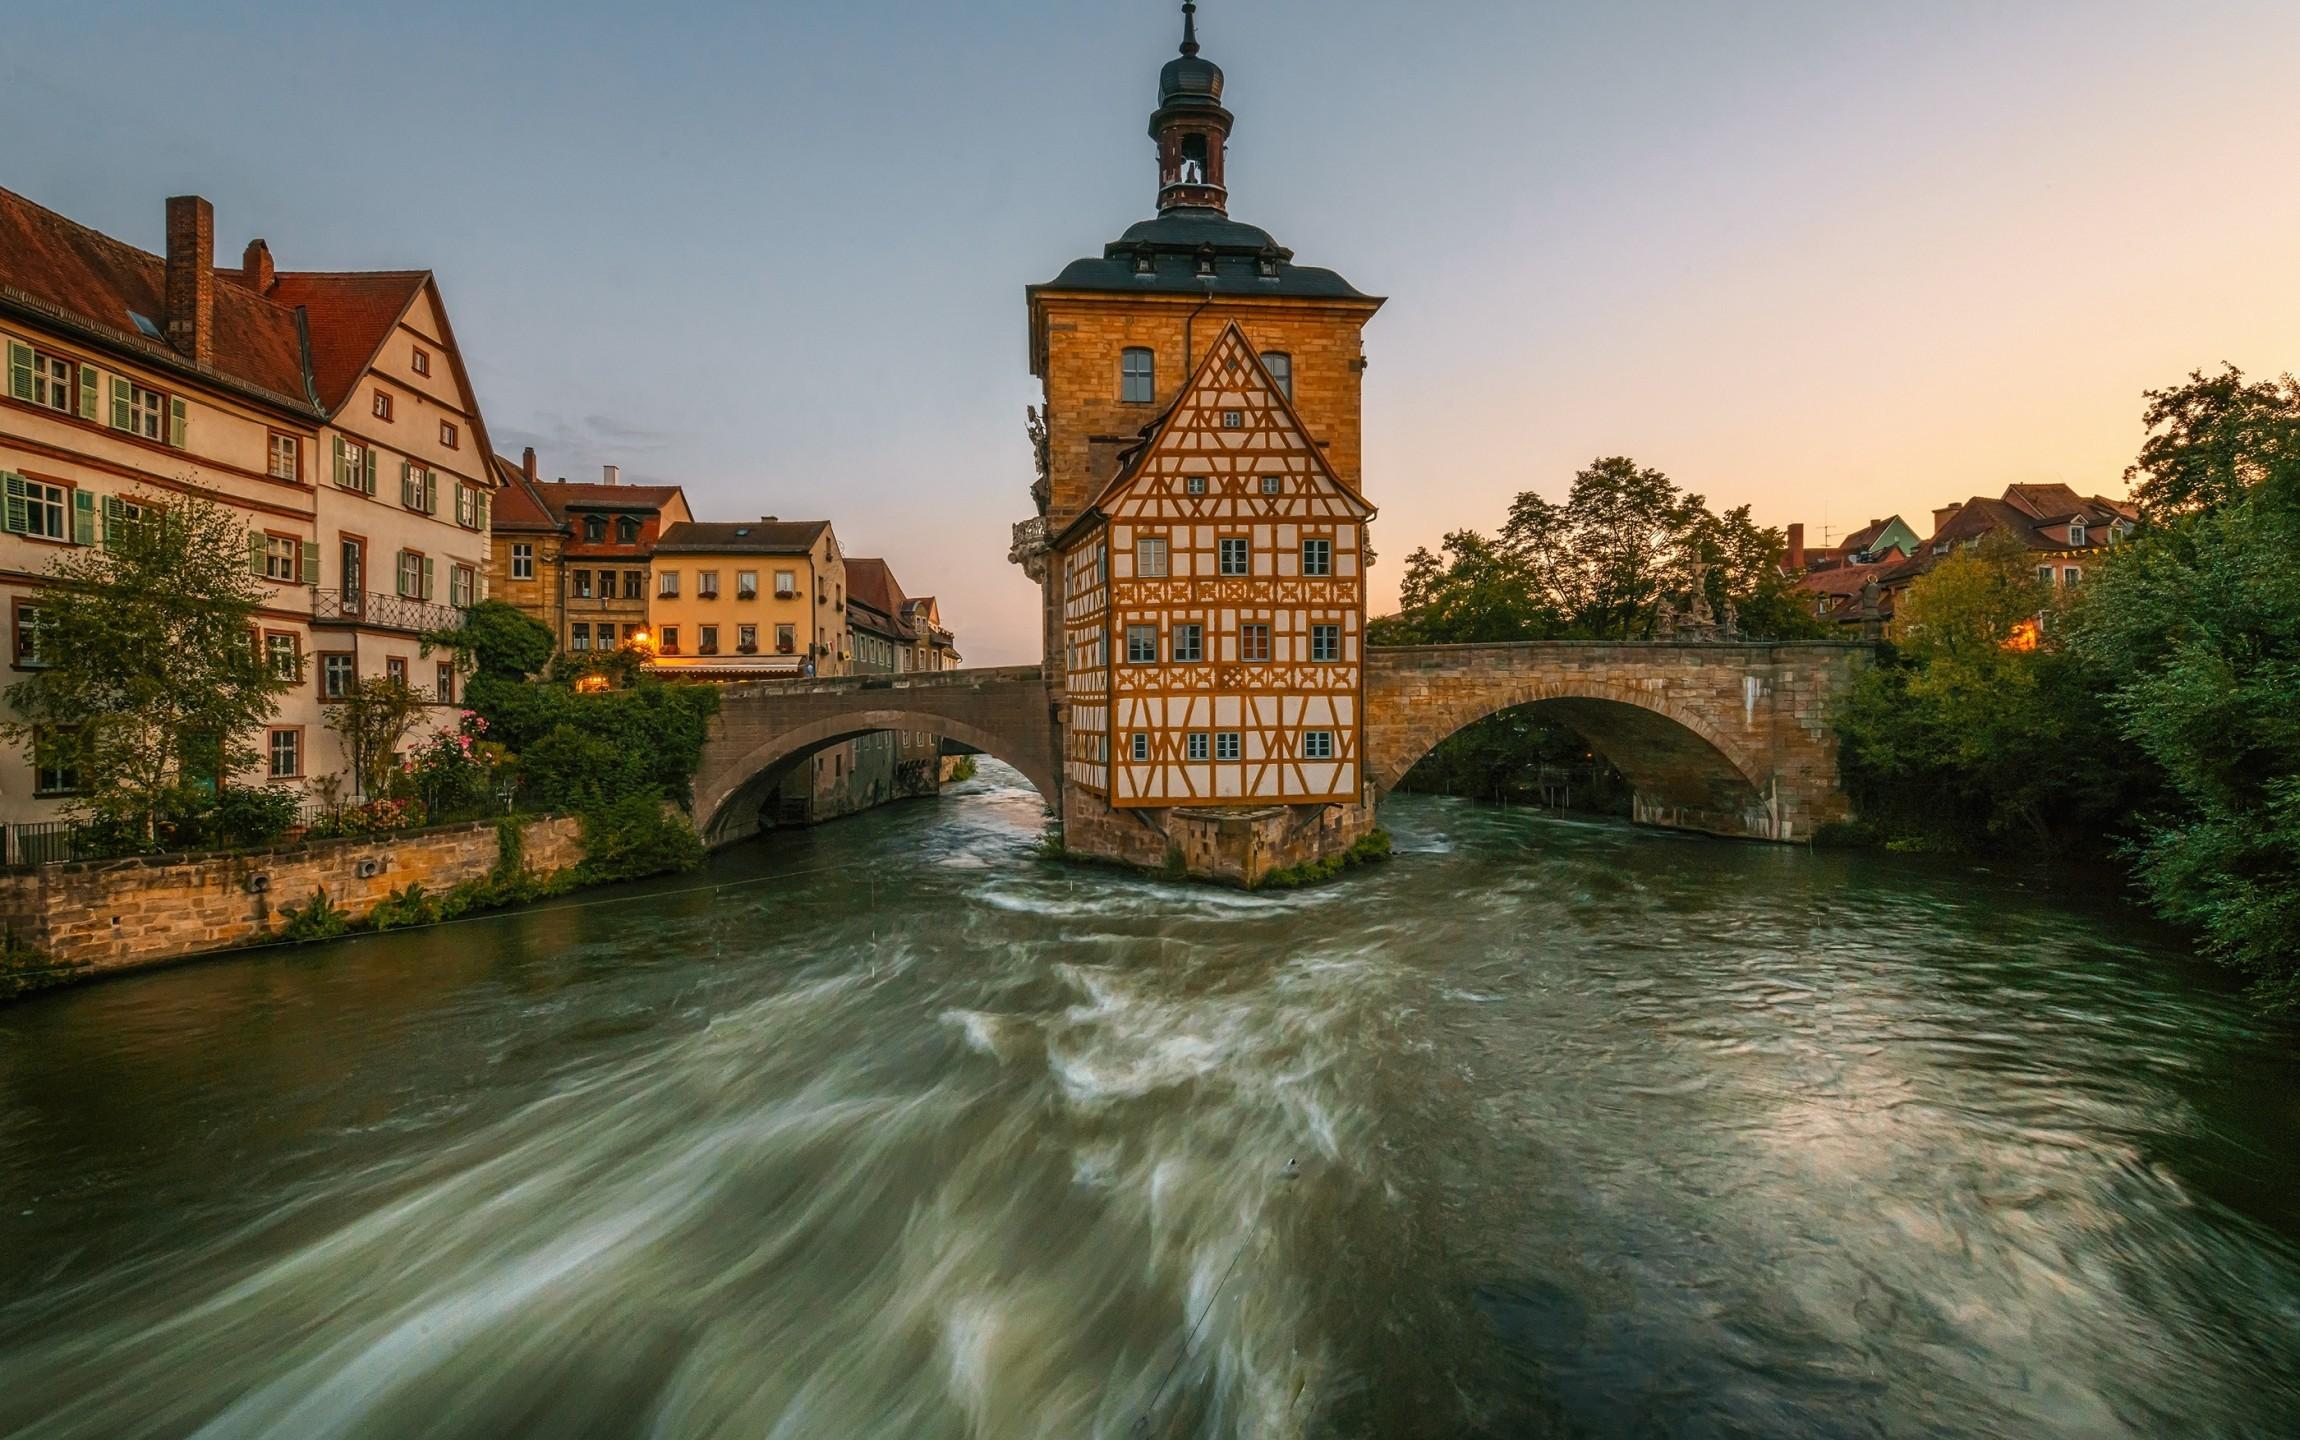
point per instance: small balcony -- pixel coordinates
(383, 612)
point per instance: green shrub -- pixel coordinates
(963, 770)
(317, 919)
(250, 815)
(1371, 847)
(24, 969)
(634, 836)
(404, 907)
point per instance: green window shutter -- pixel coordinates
(176, 421)
(19, 370)
(120, 417)
(309, 574)
(83, 518)
(88, 393)
(342, 471)
(483, 508)
(431, 492)
(407, 483)
(18, 511)
(370, 463)
(427, 577)
(113, 511)
(256, 553)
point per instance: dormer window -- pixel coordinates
(1206, 260)
(1266, 263)
(626, 531)
(2076, 531)
(594, 529)
(1145, 261)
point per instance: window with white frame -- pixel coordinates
(786, 584)
(410, 574)
(747, 639)
(706, 584)
(38, 509)
(286, 660)
(1317, 557)
(1141, 644)
(1150, 557)
(1141, 745)
(667, 584)
(1325, 643)
(2077, 531)
(281, 554)
(1194, 484)
(147, 412)
(1198, 746)
(467, 507)
(522, 561)
(1317, 744)
(579, 635)
(2044, 574)
(461, 583)
(1281, 367)
(1226, 745)
(707, 640)
(1137, 370)
(1189, 643)
(1233, 558)
(746, 584)
(34, 637)
(444, 675)
(336, 673)
(1273, 484)
(50, 381)
(286, 457)
(285, 754)
(2069, 576)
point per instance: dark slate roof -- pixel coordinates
(760, 537)
(1174, 241)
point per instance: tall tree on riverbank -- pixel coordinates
(150, 676)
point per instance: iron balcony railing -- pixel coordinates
(384, 612)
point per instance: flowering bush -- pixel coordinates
(403, 813)
(456, 770)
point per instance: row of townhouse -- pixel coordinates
(1860, 579)
(333, 410)
(608, 565)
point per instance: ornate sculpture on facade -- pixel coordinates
(1664, 620)
(1029, 547)
(1041, 489)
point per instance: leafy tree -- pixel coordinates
(373, 715)
(150, 661)
(2213, 440)
(504, 642)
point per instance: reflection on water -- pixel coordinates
(1547, 1128)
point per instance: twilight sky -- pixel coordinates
(1834, 260)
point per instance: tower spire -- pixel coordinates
(1191, 127)
(1189, 27)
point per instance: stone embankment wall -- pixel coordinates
(119, 914)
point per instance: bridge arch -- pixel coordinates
(733, 780)
(1686, 771)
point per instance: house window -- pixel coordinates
(786, 584)
(1234, 557)
(580, 582)
(1141, 644)
(1226, 745)
(147, 412)
(2076, 531)
(747, 639)
(1233, 419)
(1317, 745)
(1136, 376)
(382, 407)
(287, 457)
(1199, 746)
(395, 668)
(1317, 557)
(55, 763)
(746, 584)
(410, 575)
(579, 635)
(280, 555)
(1141, 745)
(1281, 367)
(50, 381)
(447, 436)
(1194, 484)
(1253, 642)
(414, 487)
(786, 639)
(1189, 643)
(335, 676)
(670, 640)
(594, 529)
(32, 629)
(1272, 484)
(626, 531)
(467, 507)
(445, 676)
(2069, 576)
(667, 584)
(606, 636)
(2044, 575)
(39, 509)
(708, 643)
(460, 584)
(1325, 643)
(286, 662)
(1150, 557)
(420, 361)
(634, 584)
(522, 561)
(286, 753)
(706, 584)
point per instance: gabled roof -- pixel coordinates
(60, 269)
(350, 314)
(517, 505)
(756, 537)
(872, 583)
(559, 497)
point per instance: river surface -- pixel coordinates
(892, 1129)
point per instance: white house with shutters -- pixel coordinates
(332, 410)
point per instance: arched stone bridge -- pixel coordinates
(1729, 738)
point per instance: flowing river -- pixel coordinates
(893, 1129)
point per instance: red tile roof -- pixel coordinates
(559, 496)
(517, 506)
(88, 280)
(350, 315)
(761, 537)
(870, 581)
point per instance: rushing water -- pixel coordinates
(891, 1129)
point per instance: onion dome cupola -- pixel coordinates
(1191, 128)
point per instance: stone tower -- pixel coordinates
(1115, 338)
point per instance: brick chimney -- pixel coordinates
(611, 474)
(1797, 549)
(191, 291)
(527, 461)
(1942, 515)
(256, 267)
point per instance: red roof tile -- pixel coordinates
(351, 314)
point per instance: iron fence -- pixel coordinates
(385, 612)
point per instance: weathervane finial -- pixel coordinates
(1189, 27)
